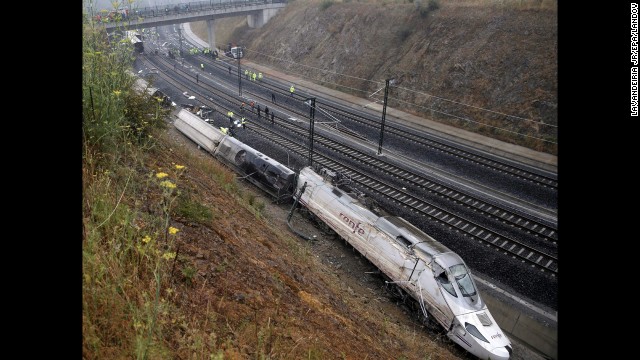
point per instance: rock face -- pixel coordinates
(452, 60)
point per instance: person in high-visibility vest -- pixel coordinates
(259, 76)
(243, 122)
(230, 115)
(202, 66)
(291, 90)
(246, 74)
(224, 130)
(254, 76)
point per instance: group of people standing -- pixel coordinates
(252, 75)
(234, 124)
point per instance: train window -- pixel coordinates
(475, 332)
(463, 278)
(446, 284)
(403, 240)
(279, 182)
(240, 157)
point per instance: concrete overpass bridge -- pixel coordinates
(258, 12)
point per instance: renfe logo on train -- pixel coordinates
(352, 224)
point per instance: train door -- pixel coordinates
(439, 285)
(422, 283)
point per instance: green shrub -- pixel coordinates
(188, 273)
(324, 5)
(404, 34)
(193, 211)
(425, 10)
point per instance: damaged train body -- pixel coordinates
(265, 173)
(434, 276)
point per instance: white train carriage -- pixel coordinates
(136, 39)
(141, 86)
(433, 275)
(196, 129)
(262, 171)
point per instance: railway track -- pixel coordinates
(482, 234)
(343, 114)
(214, 97)
(424, 141)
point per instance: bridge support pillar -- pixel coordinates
(212, 34)
(259, 18)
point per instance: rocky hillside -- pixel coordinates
(483, 65)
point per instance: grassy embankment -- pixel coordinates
(129, 247)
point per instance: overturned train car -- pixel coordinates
(262, 171)
(437, 278)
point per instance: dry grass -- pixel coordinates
(238, 287)
(506, 4)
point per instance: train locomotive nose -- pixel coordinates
(501, 353)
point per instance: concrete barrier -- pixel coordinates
(536, 334)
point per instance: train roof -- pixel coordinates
(141, 85)
(200, 125)
(260, 157)
(397, 226)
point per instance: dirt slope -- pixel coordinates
(496, 55)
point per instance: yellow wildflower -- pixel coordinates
(169, 255)
(117, 92)
(168, 184)
(161, 175)
(179, 167)
(146, 239)
(173, 230)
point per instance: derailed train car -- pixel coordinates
(136, 39)
(141, 86)
(434, 276)
(196, 129)
(262, 171)
(437, 278)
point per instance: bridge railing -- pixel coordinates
(183, 8)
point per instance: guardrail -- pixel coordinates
(141, 13)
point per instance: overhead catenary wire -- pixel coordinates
(423, 107)
(477, 107)
(312, 67)
(401, 88)
(479, 123)
(409, 103)
(416, 105)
